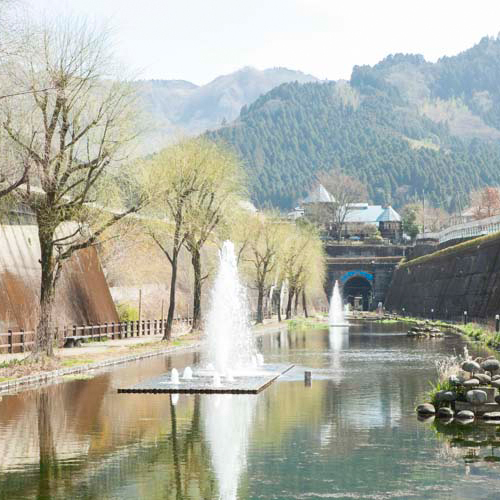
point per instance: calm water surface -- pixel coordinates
(352, 435)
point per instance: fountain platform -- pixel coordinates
(202, 383)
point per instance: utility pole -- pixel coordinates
(140, 309)
(423, 212)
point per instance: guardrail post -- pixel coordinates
(9, 338)
(497, 323)
(23, 347)
(120, 330)
(113, 330)
(465, 317)
(149, 327)
(74, 330)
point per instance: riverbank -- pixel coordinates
(475, 332)
(18, 372)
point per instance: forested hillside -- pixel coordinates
(405, 127)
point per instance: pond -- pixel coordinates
(353, 434)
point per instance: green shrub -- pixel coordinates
(126, 312)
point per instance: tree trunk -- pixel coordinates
(291, 293)
(196, 261)
(279, 305)
(260, 300)
(296, 305)
(304, 303)
(171, 305)
(44, 332)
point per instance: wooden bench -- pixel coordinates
(76, 340)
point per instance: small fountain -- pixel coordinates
(174, 376)
(188, 373)
(216, 380)
(336, 313)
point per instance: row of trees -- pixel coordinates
(196, 190)
(67, 123)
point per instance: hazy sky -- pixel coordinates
(198, 40)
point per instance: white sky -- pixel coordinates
(197, 40)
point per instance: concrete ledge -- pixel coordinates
(202, 383)
(53, 375)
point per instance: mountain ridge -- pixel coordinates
(406, 127)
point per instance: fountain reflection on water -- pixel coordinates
(336, 313)
(227, 420)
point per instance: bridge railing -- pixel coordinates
(466, 230)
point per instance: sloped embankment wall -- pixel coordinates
(464, 277)
(82, 296)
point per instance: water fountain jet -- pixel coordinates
(336, 312)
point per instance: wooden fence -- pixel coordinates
(22, 341)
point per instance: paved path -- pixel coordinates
(114, 346)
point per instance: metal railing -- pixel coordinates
(467, 230)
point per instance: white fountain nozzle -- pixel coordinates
(174, 376)
(216, 380)
(188, 373)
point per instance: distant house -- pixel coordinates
(361, 220)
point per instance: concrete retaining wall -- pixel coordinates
(82, 296)
(465, 277)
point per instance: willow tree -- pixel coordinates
(263, 246)
(302, 263)
(219, 187)
(73, 130)
(194, 183)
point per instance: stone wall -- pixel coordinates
(82, 296)
(465, 277)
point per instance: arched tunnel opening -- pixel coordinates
(358, 293)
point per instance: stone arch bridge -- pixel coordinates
(364, 272)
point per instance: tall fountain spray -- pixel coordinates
(336, 313)
(230, 344)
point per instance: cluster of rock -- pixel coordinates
(425, 330)
(475, 396)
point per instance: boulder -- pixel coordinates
(497, 399)
(495, 383)
(472, 382)
(476, 397)
(495, 377)
(491, 365)
(454, 380)
(449, 396)
(471, 366)
(426, 409)
(444, 412)
(483, 378)
(464, 415)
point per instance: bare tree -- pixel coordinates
(345, 190)
(73, 133)
(485, 202)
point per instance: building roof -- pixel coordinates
(364, 213)
(319, 195)
(389, 215)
